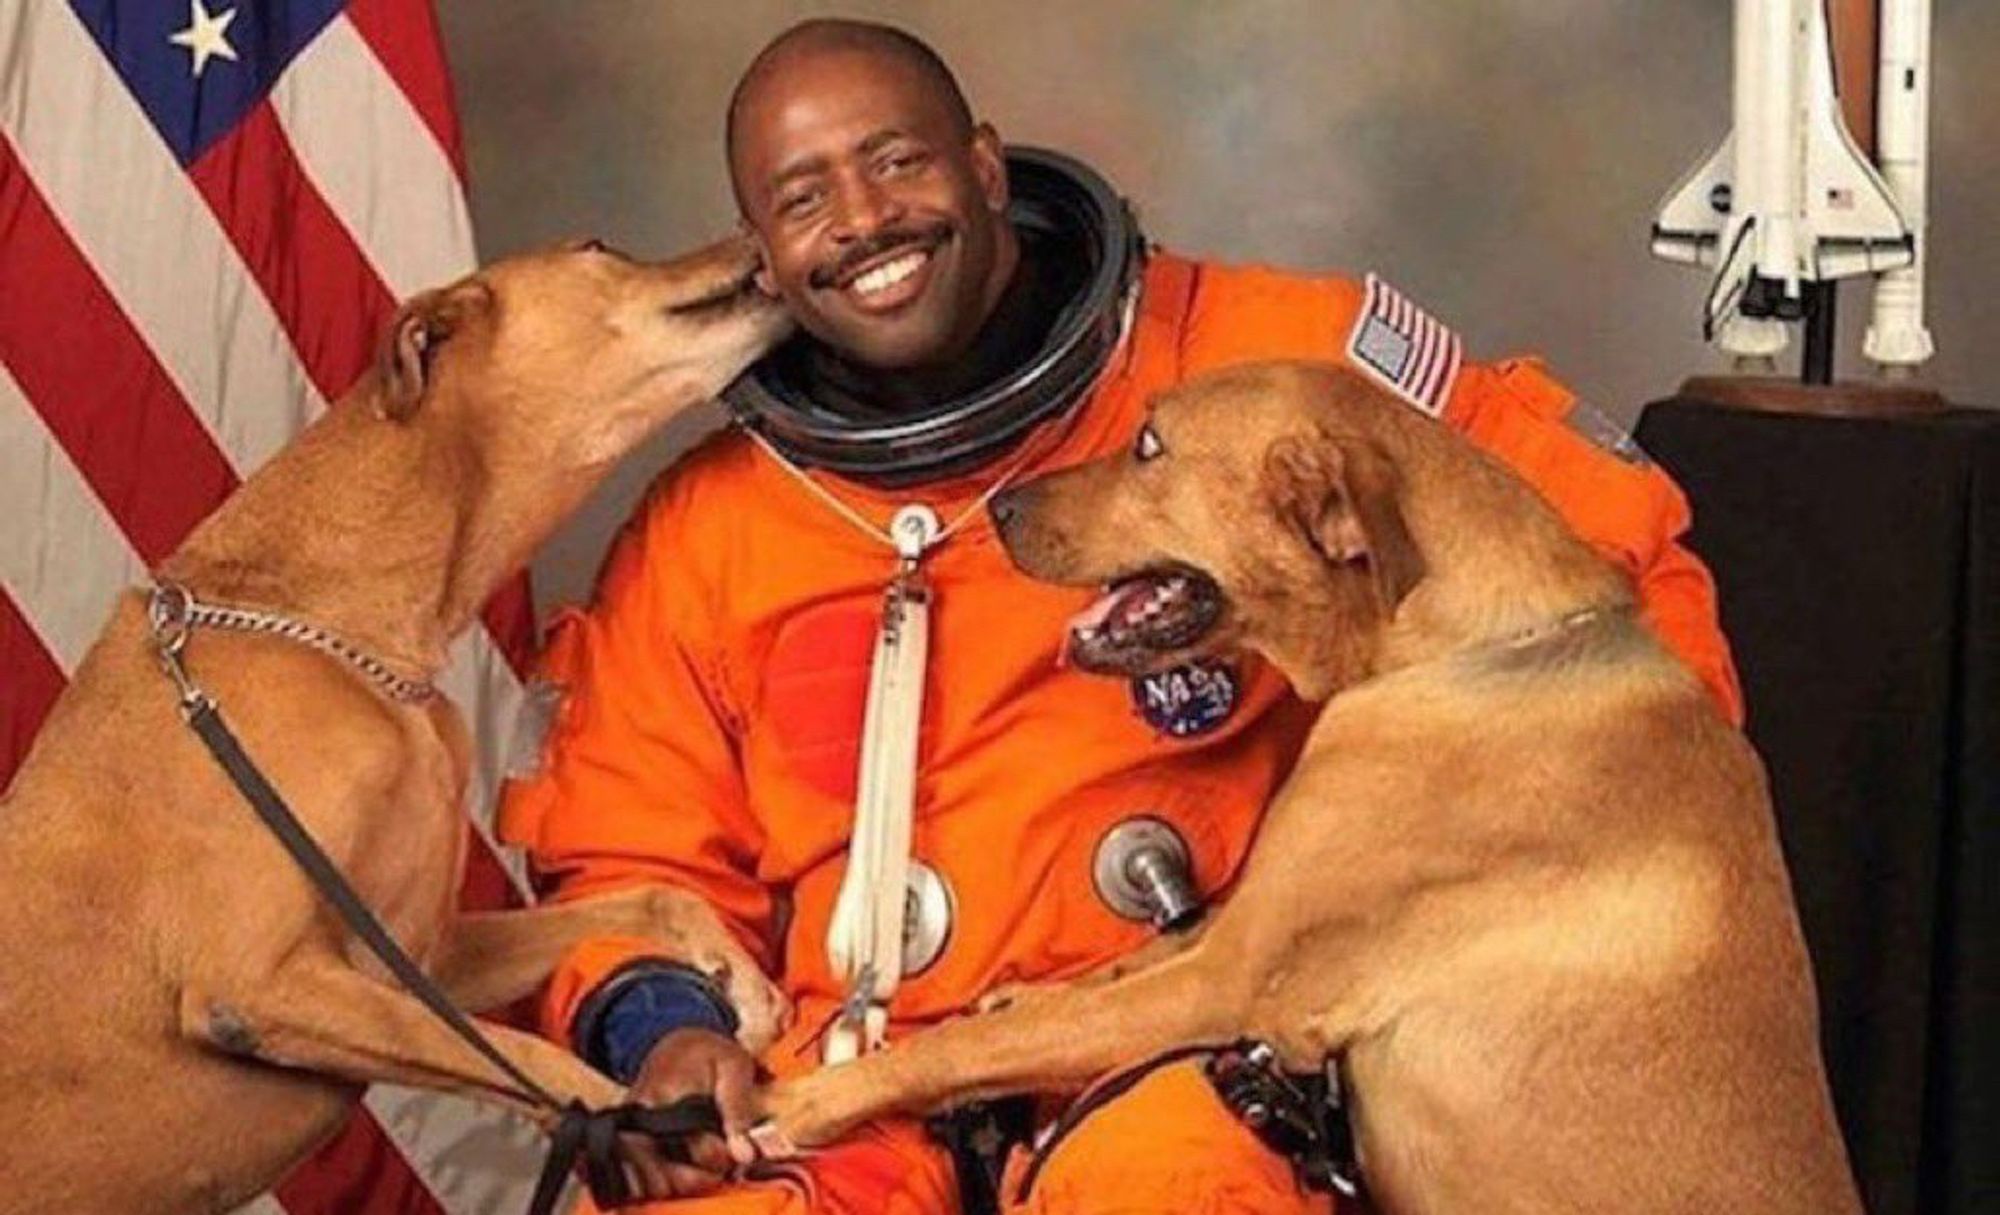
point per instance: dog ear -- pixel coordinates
(1340, 494)
(405, 357)
(421, 326)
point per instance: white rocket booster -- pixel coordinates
(1788, 198)
(1897, 339)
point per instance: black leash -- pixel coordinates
(588, 1136)
(1099, 1095)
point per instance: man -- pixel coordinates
(966, 321)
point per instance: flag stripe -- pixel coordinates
(33, 683)
(434, 1137)
(1428, 344)
(509, 617)
(299, 252)
(405, 39)
(479, 682)
(360, 1173)
(124, 424)
(402, 201)
(67, 570)
(92, 151)
(1418, 368)
(1442, 363)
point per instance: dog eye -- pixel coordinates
(1148, 445)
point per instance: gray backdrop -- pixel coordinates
(1498, 159)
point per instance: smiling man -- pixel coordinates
(813, 691)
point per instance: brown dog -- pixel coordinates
(183, 1016)
(1524, 879)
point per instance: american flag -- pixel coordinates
(208, 209)
(1413, 353)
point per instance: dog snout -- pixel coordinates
(1005, 508)
(1029, 546)
(719, 273)
(1012, 513)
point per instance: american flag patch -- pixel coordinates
(1410, 351)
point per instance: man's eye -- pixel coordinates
(794, 205)
(1148, 445)
(897, 164)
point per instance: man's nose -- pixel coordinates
(865, 208)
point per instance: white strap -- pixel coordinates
(865, 937)
(864, 940)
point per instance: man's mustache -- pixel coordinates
(832, 274)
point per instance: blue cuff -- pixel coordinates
(628, 1014)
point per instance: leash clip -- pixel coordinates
(170, 616)
(1302, 1118)
(861, 1023)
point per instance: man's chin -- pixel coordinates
(915, 337)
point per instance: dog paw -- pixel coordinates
(800, 1114)
(763, 1012)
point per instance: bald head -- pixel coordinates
(891, 49)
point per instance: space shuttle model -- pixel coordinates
(1790, 202)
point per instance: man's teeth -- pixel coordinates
(887, 275)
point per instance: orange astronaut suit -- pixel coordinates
(715, 690)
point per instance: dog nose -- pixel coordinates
(1005, 507)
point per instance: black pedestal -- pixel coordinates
(1858, 562)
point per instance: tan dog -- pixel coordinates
(1524, 878)
(183, 1016)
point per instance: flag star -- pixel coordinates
(206, 36)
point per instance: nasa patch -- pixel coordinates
(1189, 700)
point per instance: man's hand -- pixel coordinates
(688, 1062)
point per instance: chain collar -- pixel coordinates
(174, 612)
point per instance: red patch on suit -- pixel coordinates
(816, 691)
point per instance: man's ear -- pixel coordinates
(1340, 495)
(421, 327)
(989, 161)
(761, 278)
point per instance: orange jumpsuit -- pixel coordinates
(711, 725)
